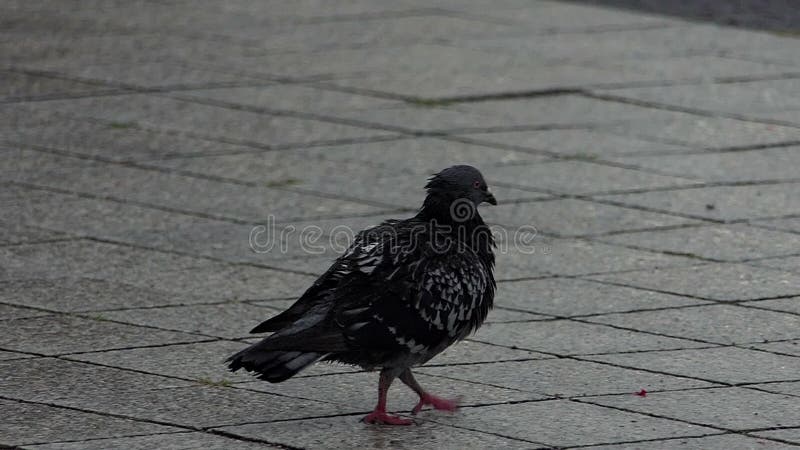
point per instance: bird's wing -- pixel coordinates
(359, 259)
(388, 293)
(417, 298)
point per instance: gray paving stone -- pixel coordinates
(186, 193)
(202, 361)
(306, 11)
(346, 34)
(722, 324)
(792, 117)
(292, 97)
(421, 118)
(14, 233)
(6, 356)
(20, 86)
(790, 347)
(46, 19)
(695, 67)
(730, 408)
(564, 377)
(470, 352)
(787, 224)
(556, 17)
(560, 110)
(223, 281)
(423, 155)
(117, 141)
(316, 265)
(755, 165)
(733, 243)
(18, 162)
(571, 423)
(23, 425)
(351, 433)
(578, 177)
(576, 297)
(575, 217)
(226, 320)
(14, 195)
(342, 62)
(85, 294)
(586, 143)
(566, 337)
(717, 442)
(223, 123)
(564, 111)
(259, 243)
(721, 282)
(26, 114)
(790, 263)
(358, 391)
(502, 315)
(57, 53)
(791, 305)
(147, 74)
(724, 364)
(53, 335)
(787, 388)
(790, 434)
(182, 440)
(601, 49)
(754, 97)
(374, 181)
(8, 312)
(576, 257)
(69, 383)
(708, 132)
(683, 38)
(275, 168)
(189, 406)
(453, 81)
(84, 258)
(208, 237)
(153, 227)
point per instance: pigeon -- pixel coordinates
(404, 291)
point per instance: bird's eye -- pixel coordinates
(476, 184)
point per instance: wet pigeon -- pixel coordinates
(404, 291)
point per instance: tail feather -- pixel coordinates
(273, 365)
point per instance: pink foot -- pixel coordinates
(439, 403)
(381, 417)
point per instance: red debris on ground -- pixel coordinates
(642, 393)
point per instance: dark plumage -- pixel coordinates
(404, 291)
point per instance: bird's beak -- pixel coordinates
(488, 197)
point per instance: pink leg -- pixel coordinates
(379, 415)
(425, 398)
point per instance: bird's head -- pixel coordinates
(462, 188)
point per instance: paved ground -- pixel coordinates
(142, 142)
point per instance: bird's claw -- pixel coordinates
(438, 403)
